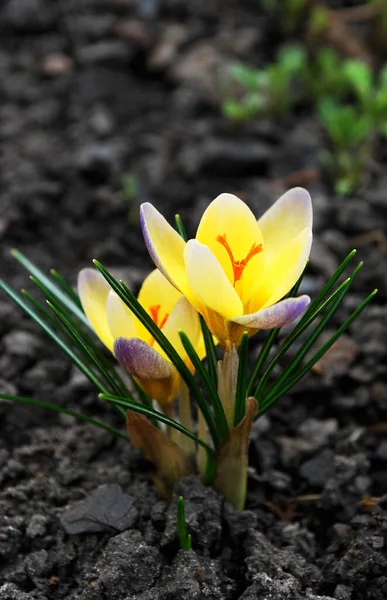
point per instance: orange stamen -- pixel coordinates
(154, 313)
(239, 265)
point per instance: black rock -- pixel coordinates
(319, 468)
(108, 508)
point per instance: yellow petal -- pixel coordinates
(209, 282)
(285, 220)
(229, 217)
(184, 318)
(165, 246)
(122, 321)
(93, 292)
(281, 272)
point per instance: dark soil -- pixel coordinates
(94, 89)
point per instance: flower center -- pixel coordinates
(239, 265)
(155, 314)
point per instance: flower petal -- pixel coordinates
(281, 272)
(209, 282)
(122, 321)
(278, 315)
(93, 292)
(141, 360)
(165, 246)
(230, 217)
(158, 297)
(184, 318)
(286, 219)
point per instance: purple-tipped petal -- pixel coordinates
(278, 315)
(141, 360)
(164, 244)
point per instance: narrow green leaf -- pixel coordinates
(154, 414)
(88, 346)
(269, 342)
(216, 403)
(184, 539)
(316, 357)
(51, 286)
(65, 411)
(211, 355)
(241, 389)
(180, 227)
(82, 366)
(339, 295)
(302, 326)
(77, 339)
(261, 360)
(66, 288)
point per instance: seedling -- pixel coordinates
(185, 539)
(266, 92)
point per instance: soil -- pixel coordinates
(92, 90)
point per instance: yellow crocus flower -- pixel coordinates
(237, 269)
(132, 344)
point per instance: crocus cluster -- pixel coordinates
(236, 273)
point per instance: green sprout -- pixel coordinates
(265, 92)
(186, 390)
(185, 539)
(353, 129)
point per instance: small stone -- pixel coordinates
(318, 469)
(22, 344)
(342, 592)
(107, 508)
(37, 526)
(56, 64)
(317, 432)
(101, 121)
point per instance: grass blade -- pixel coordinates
(82, 366)
(324, 348)
(154, 414)
(180, 227)
(54, 289)
(65, 411)
(212, 358)
(184, 539)
(241, 389)
(219, 413)
(66, 288)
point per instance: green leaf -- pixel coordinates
(211, 355)
(180, 227)
(51, 286)
(184, 539)
(82, 366)
(65, 411)
(241, 389)
(154, 414)
(219, 414)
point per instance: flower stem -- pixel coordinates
(227, 381)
